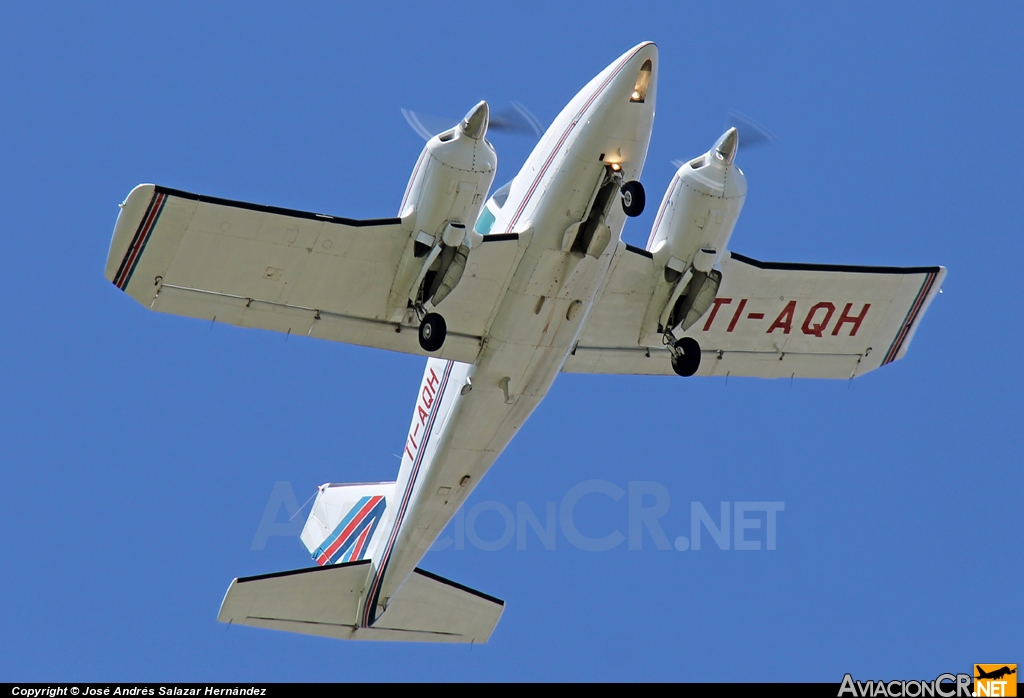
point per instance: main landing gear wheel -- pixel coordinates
(686, 357)
(433, 330)
(633, 199)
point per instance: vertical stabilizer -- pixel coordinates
(344, 520)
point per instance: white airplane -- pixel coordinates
(502, 296)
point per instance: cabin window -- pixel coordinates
(485, 221)
(643, 81)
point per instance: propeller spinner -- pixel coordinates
(514, 119)
(741, 132)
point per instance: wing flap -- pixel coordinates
(655, 362)
(474, 302)
(616, 318)
(306, 321)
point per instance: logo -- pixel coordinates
(943, 686)
(989, 680)
(995, 680)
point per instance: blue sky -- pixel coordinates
(139, 451)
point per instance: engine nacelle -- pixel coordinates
(690, 234)
(452, 177)
(443, 199)
(700, 210)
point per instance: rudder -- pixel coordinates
(344, 519)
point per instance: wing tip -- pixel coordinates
(930, 288)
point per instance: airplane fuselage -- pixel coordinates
(466, 414)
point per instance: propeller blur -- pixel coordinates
(513, 118)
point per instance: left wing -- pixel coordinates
(294, 272)
(768, 320)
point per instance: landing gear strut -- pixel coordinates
(685, 355)
(433, 330)
(633, 198)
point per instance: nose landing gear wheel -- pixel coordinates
(686, 357)
(433, 330)
(633, 198)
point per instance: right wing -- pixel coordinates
(295, 272)
(769, 319)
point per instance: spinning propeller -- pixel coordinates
(751, 134)
(513, 118)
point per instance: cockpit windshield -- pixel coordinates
(497, 200)
(499, 196)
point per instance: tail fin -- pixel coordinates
(341, 526)
(327, 600)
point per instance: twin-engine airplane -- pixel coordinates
(502, 294)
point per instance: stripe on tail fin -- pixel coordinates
(344, 519)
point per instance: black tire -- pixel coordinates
(633, 199)
(433, 330)
(687, 361)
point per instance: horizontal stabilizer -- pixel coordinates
(325, 601)
(429, 608)
(314, 601)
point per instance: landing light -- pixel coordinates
(643, 81)
(616, 167)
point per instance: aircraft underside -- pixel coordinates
(501, 294)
